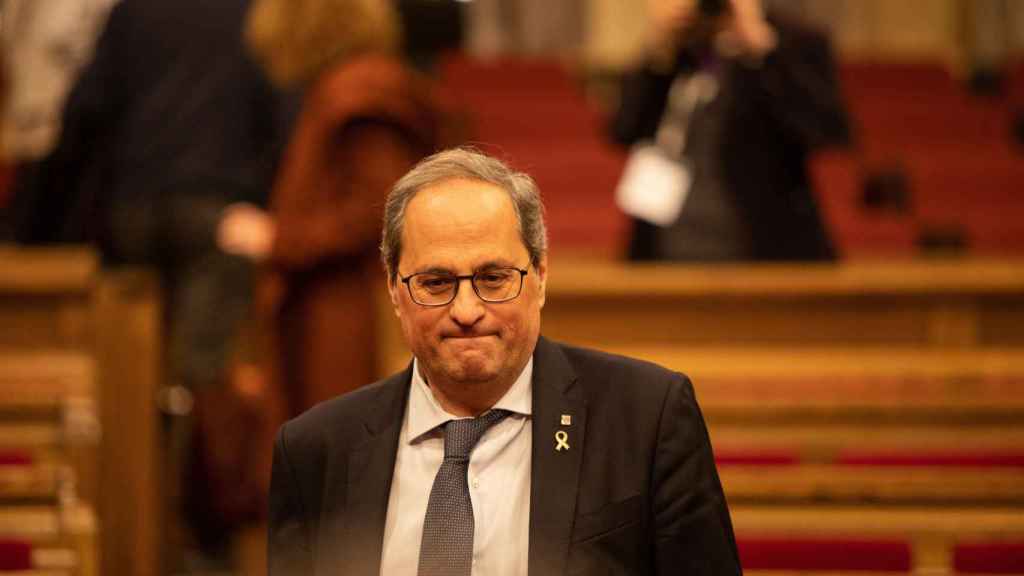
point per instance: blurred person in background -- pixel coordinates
(365, 120)
(169, 124)
(730, 101)
(45, 44)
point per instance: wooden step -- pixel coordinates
(933, 531)
(822, 483)
(41, 381)
(33, 481)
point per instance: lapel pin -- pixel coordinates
(562, 441)
(566, 420)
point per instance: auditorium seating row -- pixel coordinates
(48, 436)
(956, 167)
(78, 361)
(865, 416)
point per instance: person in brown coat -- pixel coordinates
(365, 120)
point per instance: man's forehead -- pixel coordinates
(460, 195)
(461, 225)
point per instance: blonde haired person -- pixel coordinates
(365, 120)
(297, 40)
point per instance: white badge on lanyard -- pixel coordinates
(654, 186)
(657, 178)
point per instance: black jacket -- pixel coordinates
(777, 112)
(637, 493)
(170, 105)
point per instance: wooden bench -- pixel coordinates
(62, 538)
(48, 415)
(61, 311)
(34, 481)
(922, 485)
(933, 533)
(659, 309)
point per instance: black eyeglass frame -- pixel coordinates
(458, 283)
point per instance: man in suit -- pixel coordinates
(580, 462)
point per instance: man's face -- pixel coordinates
(461, 227)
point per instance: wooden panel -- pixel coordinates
(888, 277)
(996, 523)
(54, 271)
(1001, 322)
(790, 384)
(128, 361)
(32, 437)
(954, 365)
(824, 483)
(816, 442)
(617, 306)
(41, 379)
(33, 482)
(30, 321)
(733, 320)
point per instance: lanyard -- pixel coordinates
(688, 92)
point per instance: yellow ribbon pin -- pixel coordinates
(562, 439)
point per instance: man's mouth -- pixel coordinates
(465, 336)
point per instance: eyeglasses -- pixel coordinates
(440, 288)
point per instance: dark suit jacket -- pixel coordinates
(636, 493)
(777, 112)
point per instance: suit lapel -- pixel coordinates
(555, 472)
(358, 537)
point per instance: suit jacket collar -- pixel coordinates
(553, 487)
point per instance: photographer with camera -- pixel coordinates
(722, 115)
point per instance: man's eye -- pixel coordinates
(493, 277)
(436, 283)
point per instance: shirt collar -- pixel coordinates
(426, 414)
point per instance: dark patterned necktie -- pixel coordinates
(447, 546)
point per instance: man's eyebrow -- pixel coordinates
(435, 270)
(492, 264)
(488, 265)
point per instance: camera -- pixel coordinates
(712, 7)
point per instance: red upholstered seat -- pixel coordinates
(15, 458)
(15, 555)
(756, 458)
(815, 554)
(989, 558)
(505, 75)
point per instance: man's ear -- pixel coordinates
(542, 278)
(394, 295)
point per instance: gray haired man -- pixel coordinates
(497, 451)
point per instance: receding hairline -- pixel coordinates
(434, 186)
(509, 204)
(470, 166)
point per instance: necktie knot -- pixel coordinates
(461, 436)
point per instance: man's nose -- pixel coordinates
(467, 308)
